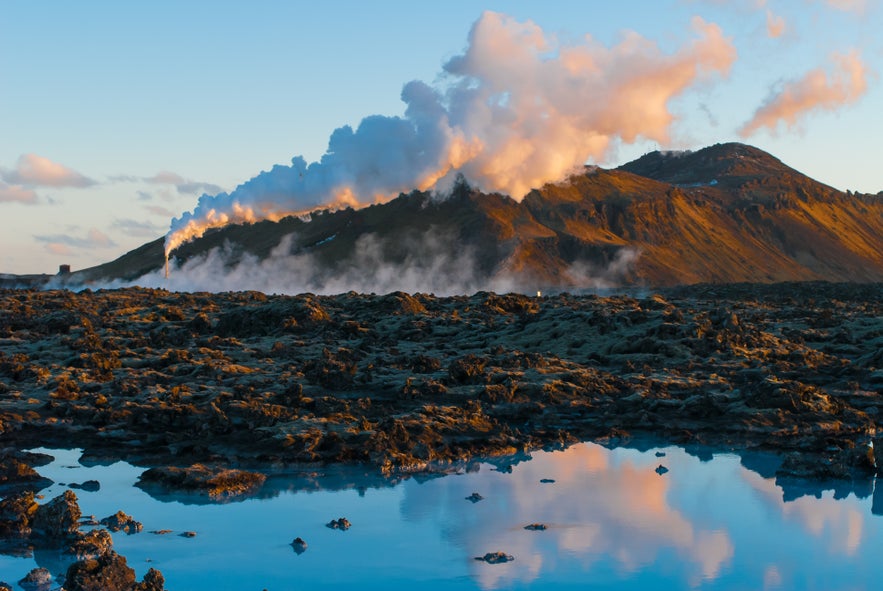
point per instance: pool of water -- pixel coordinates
(612, 522)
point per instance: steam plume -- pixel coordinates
(814, 91)
(519, 108)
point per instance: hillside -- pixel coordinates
(726, 213)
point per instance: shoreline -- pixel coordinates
(401, 382)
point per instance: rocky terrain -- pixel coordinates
(201, 384)
(214, 392)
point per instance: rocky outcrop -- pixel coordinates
(119, 521)
(110, 572)
(496, 558)
(215, 482)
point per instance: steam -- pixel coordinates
(817, 90)
(431, 266)
(519, 108)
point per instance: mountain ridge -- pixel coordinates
(724, 214)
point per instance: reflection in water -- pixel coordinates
(612, 523)
(618, 514)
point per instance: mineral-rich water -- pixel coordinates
(613, 521)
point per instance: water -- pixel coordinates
(613, 523)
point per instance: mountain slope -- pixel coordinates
(727, 213)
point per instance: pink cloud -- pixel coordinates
(816, 90)
(856, 6)
(775, 25)
(59, 249)
(36, 171)
(16, 194)
(539, 108)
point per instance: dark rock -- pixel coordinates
(496, 557)
(468, 369)
(547, 480)
(299, 545)
(16, 513)
(216, 482)
(122, 522)
(109, 572)
(342, 524)
(88, 486)
(660, 469)
(13, 471)
(188, 534)
(90, 544)
(474, 497)
(536, 527)
(660, 454)
(5, 586)
(59, 519)
(39, 579)
(153, 581)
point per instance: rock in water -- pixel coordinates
(299, 545)
(660, 469)
(16, 513)
(342, 524)
(119, 521)
(474, 497)
(110, 572)
(496, 557)
(91, 544)
(39, 579)
(59, 519)
(536, 527)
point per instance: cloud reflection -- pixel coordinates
(599, 513)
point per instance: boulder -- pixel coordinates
(119, 521)
(110, 572)
(496, 557)
(39, 579)
(59, 519)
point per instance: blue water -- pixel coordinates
(613, 523)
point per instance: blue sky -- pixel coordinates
(115, 117)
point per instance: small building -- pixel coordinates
(64, 269)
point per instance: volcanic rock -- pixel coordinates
(59, 519)
(299, 545)
(342, 524)
(119, 521)
(110, 572)
(38, 579)
(496, 557)
(217, 483)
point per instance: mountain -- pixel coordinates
(726, 213)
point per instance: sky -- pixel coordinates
(116, 117)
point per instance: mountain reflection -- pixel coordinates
(602, 515)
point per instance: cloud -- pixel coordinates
(58, 249)
(94, 239)
(160, 211)
(517, 109)
(856, 6)
(16, 194)
(816, 90)
(144, 196)
(36, 171)
(182, 184)
(137, 228)
(775, 25)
